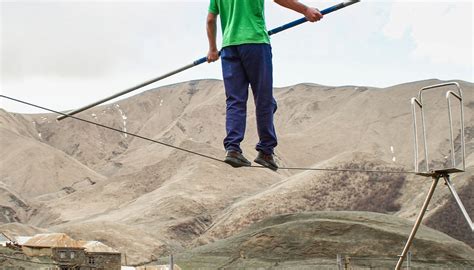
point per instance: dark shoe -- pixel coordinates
(236, 159)
(266, 161)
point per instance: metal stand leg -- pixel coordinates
(418, 222)
(458, 201)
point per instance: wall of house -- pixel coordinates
(71, 257)
(37, 251)
(102, 261)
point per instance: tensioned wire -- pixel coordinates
(197, 153)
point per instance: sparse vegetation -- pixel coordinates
(357, 191)
(312, 240)
(191, 228)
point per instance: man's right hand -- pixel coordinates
(212, 56)
(313, 14)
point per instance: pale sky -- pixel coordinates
(66, 54)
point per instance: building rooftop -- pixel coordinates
(52, 240)
(96, 247)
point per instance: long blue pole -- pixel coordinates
(200, 61)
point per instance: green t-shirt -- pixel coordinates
(242, 21)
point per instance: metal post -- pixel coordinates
(409, 260)
(458, 96)
(418, 222)
(171, 262)
(458, 201)
(347, 263)
(415, 103)
(339, 262)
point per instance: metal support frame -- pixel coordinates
(436, 174)
(418, 103)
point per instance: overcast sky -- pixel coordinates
(65, 54)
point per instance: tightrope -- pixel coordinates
(197, 153)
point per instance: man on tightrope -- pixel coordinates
(247, 59)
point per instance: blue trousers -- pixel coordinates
(244, 65)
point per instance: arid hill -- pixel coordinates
(147, 200)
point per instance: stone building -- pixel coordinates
(100, 256)
(62, 249)
(57, 251)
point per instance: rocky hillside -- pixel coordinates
(147, 200)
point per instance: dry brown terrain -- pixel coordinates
(147, 200)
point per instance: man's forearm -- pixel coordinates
(311, 14)
(212, 54)
(211, 31)
(293, 4)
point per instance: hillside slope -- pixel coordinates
(312, 240)
(94, 183)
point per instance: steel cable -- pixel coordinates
(197, 153)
